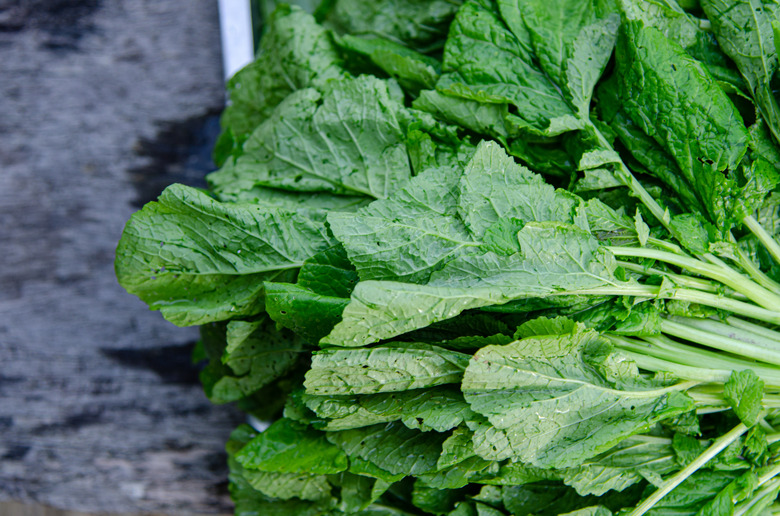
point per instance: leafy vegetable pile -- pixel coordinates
(488, 258)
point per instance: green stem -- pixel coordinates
(770, 474)
(679, 279)
(694, 296)
(725, 275)
(721, 342)
(667, 354)
(765, 238)
(749, 326)
(757, 274)
(740, 334)
(666, 245)
(632, 183)
(715, 448)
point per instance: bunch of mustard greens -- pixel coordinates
(492, 257)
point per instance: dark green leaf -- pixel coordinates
(290, 447)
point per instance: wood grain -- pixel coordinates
(100, 409)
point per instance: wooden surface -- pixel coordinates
(102, 103)
(20, 509)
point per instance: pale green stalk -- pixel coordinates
(721, 342)
(725, 275)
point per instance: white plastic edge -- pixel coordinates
(235, 24)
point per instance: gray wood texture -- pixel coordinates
(102, 103)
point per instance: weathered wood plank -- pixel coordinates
(100, 409)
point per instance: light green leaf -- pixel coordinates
(438, 408)
(434, 408)
(295, 53)
(631, 461)
(257, 354)
(744, 391)
(554, 258)
(197, 260)
(417, 222)
(346, 138)
(543, 326)
(387, 368)
(432, 500)
(392, 447)
(421, 25)
(413, 70)
(494, 187)
(286, 486)
(488, 119)
(572, 40)
(642, 229)
(308, 314)
(545, 396)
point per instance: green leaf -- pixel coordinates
(434, 501)
(365, 468)
(256, 355)
(744, 31)
(417, 222)
(597, 179)
(456, 448)
(651, 156)
(421, 25)
(744, 391)
(348, 138)
(279, 486)
(308, 314)
(488, 119)
(554, 258)
(392, 447)
(545, 396)
(628, 463)
(286, 486)
(436, 408)
(459, 475)
(596, 510)
(494, 187)
(695, 491)
(295, 53)
(414, 71)
(386, 368)
(329, 273)
(642, 229)
(289, 200)
(702, 129)
(543, 498)
(197, 260)
(572, 40)
(290, 447)
(484, 61)
(251, 502)
(544, 326)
